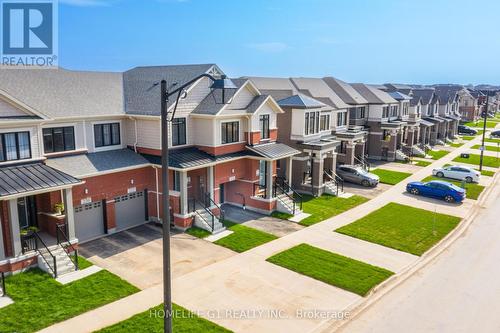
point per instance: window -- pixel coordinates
(394, 110)
(361, 112)
(15, 146)
(176, 186)
(230, 132)
(264, 126)
(311, 123)
(418, 110)
(262, 173)
(106, 135)
(341, 118)
(178, 131)
(58, 139)
(325, 122)
(385, 112)
(405, 109)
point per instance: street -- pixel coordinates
(458, 292)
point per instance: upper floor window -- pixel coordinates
(58, 139)
(418, 110)
(15, 146)
(230, 132)
(324, 123)
(385, 112)
(394, 110)
(343, 147)
(405, 109)
(311, 123)
(107, 134)
(361, 111)
(264, 126)
(341, 118)
(178, 131)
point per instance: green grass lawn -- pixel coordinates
(491, 140)
(488, 148)
(198, 232)
(343, 272)
(489, 161)
(401, 227)
(468, 138)
(83, 263)
(183, 321)
(479, 123)
(40, 301)
(456, 144)
(243, 238)
(437, 154)
(421, 163)
(390, 177)
(326, 206)
(473, 190)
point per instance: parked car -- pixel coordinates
(437, 189)
(495, 134)
(458, 172)
(462, 129)
(357, 175)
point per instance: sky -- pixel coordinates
(371, 41)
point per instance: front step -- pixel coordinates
(64, 264)
(416, 151)
(400, 156)
(440, 142)
(285, 205)
(200, 220)
(331, 188)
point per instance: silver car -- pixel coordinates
(356, 174)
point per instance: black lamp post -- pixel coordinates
(221, 83)
(485, 115)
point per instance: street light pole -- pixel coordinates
(484, 131)
(165, 214)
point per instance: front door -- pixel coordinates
(26, 208)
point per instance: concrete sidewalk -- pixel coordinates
(246, 282)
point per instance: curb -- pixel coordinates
(359, 307)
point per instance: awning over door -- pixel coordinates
(33, 178)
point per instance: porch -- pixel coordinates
(36, 218)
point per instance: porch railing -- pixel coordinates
(209, 202)
(339, 182)
(28, 243)
(64, 242)
(281, 186)
(363, 161)
(52, 268)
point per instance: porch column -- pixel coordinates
(15, 231)
(349, 153)
(210, 182)
(184, 192)
(69, 211)
(269, 180)
(409, 139)
(317, 179)
(289, 163)
(331, 161)
(2, 247)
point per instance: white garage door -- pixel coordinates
(130, 210)
(89, 221)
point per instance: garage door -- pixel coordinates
(130, 210)
(89, 222)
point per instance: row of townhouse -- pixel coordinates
(91, 142)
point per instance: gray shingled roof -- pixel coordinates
(373, 95)
(399, 96)
(88, 164)
(447, 93)
(61, 93)
(300, 101)
(144, 99)
(345, 91)
(318, 89)
(27, 178)
(274, 150)
(426, 94)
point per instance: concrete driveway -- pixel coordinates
(136, 254)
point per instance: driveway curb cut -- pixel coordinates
(357, 308)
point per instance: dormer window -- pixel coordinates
(264, 126)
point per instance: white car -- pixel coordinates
(459, 172)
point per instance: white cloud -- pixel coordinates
(269, 47)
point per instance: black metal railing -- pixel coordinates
(260, 190)
(362, 160)
(209, 202)
(64, 242)
(281, 186)
(3, 292)
(28, 243)
(339, 182)
(191, 205)
(38, 241)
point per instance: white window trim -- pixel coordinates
(107, 148)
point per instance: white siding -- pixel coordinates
(241, 99)
(265, 109)
(204, 129)
(149, 134)
(243, 127)
(375, 112)
(8, 110)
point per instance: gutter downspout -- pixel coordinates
(136, 139)
(157, 195)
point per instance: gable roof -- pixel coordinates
(345, 91)
(142, 98)
(426, 95)
(448, 93)
(211, 104)
(319, 90)
(61, 93)
(399, 96)
(373, 95)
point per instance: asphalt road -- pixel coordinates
(458, 292)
